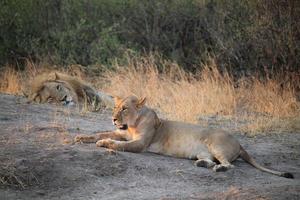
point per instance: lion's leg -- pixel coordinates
(85, 138)
(224, 163)
(135, 146)
(225, 149)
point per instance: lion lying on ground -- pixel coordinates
(67, 90)
(139, 129)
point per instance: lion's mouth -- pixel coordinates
(67, 101)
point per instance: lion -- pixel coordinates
(63, 89)
(139, 129)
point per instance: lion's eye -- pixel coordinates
(124, 109)
(58, 87)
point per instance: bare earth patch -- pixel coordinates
(39, 161)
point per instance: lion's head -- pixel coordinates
(55, 92)
(55, 87)
(125, 113)
(52, 89)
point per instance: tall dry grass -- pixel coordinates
(178, 94)
(266, 105)
(10, 81)
(16, 82)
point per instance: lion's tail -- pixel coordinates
(245, 156)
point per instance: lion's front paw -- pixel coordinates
(83, 139)
(107, 143)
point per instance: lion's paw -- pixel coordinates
(108, 143)
(204, 163)
(83, 138)
(222, 168)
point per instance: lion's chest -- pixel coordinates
(133, 134)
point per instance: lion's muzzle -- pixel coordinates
(119, 126)
(68, 101)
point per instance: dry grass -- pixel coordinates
(10, 83)
(10, 175)
(15, 82)
(176, 93)
(267, 105)
(269, 97)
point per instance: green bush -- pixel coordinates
(240, 35)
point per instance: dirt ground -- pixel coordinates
(39, 161)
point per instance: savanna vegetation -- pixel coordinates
(189, 57)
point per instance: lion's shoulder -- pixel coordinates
(147, 116)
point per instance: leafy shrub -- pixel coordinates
(243, 36)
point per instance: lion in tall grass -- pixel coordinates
(59, 88)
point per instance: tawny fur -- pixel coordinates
(144, 131)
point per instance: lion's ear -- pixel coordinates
(53, 76)
(141, 102)
(117, 100)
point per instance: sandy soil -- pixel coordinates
(39, 161)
